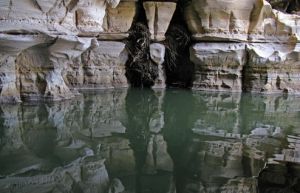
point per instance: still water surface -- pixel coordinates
(143, 141)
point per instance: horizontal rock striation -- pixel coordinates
(250, 67)
(218, 66)
(266, 59)
(50, 49)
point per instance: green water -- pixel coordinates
(144, 141)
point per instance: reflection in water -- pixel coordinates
(144, 141)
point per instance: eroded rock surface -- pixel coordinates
(159, 15)
(272, 68)
(49, 49)
(219, 19)
(218, 66)
(44, 46)
(254, 20)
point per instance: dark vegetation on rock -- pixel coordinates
(141, 71)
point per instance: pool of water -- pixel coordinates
(144, 141)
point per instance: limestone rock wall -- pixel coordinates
(218, 66)
(266, 62)
(50, 49)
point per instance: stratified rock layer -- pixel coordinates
(218, 66)
(219, 19)
(49, 49)
(272, 68)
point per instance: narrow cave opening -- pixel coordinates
(179, 69)
(141, 71)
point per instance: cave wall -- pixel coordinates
(52, 49)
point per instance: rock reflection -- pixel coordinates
(141, 141)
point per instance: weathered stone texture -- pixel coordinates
(51, 48)
(219, 20)
(272, 68)
(159, 15)
(104, 66)
(218, 66)
(54, 47)
(255, 20)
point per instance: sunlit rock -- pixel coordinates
(40, 68)
(218, 66)
(157, 54)
(104, 66)
(90, 15)
(219, 20)
(10, 47)
(118, 20)
(272, 68)
(269, 25)
(159, 15)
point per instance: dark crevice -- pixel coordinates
(179, 68)
(140, 70)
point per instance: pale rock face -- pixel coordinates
(218, 66)
(11, 46)
(45, 17)
(118, 20)
(90, 16)
(157, 54)
(8, 84)
(273, 68)
(219, 19)
(40, 68)
(159, 15)
(269, 25)
(234, 20)
(84, 17)
(43, 71)
(104, 66)
(37, 65)
(108, 19)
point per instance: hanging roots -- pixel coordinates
(140, 70)
(177, 40)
